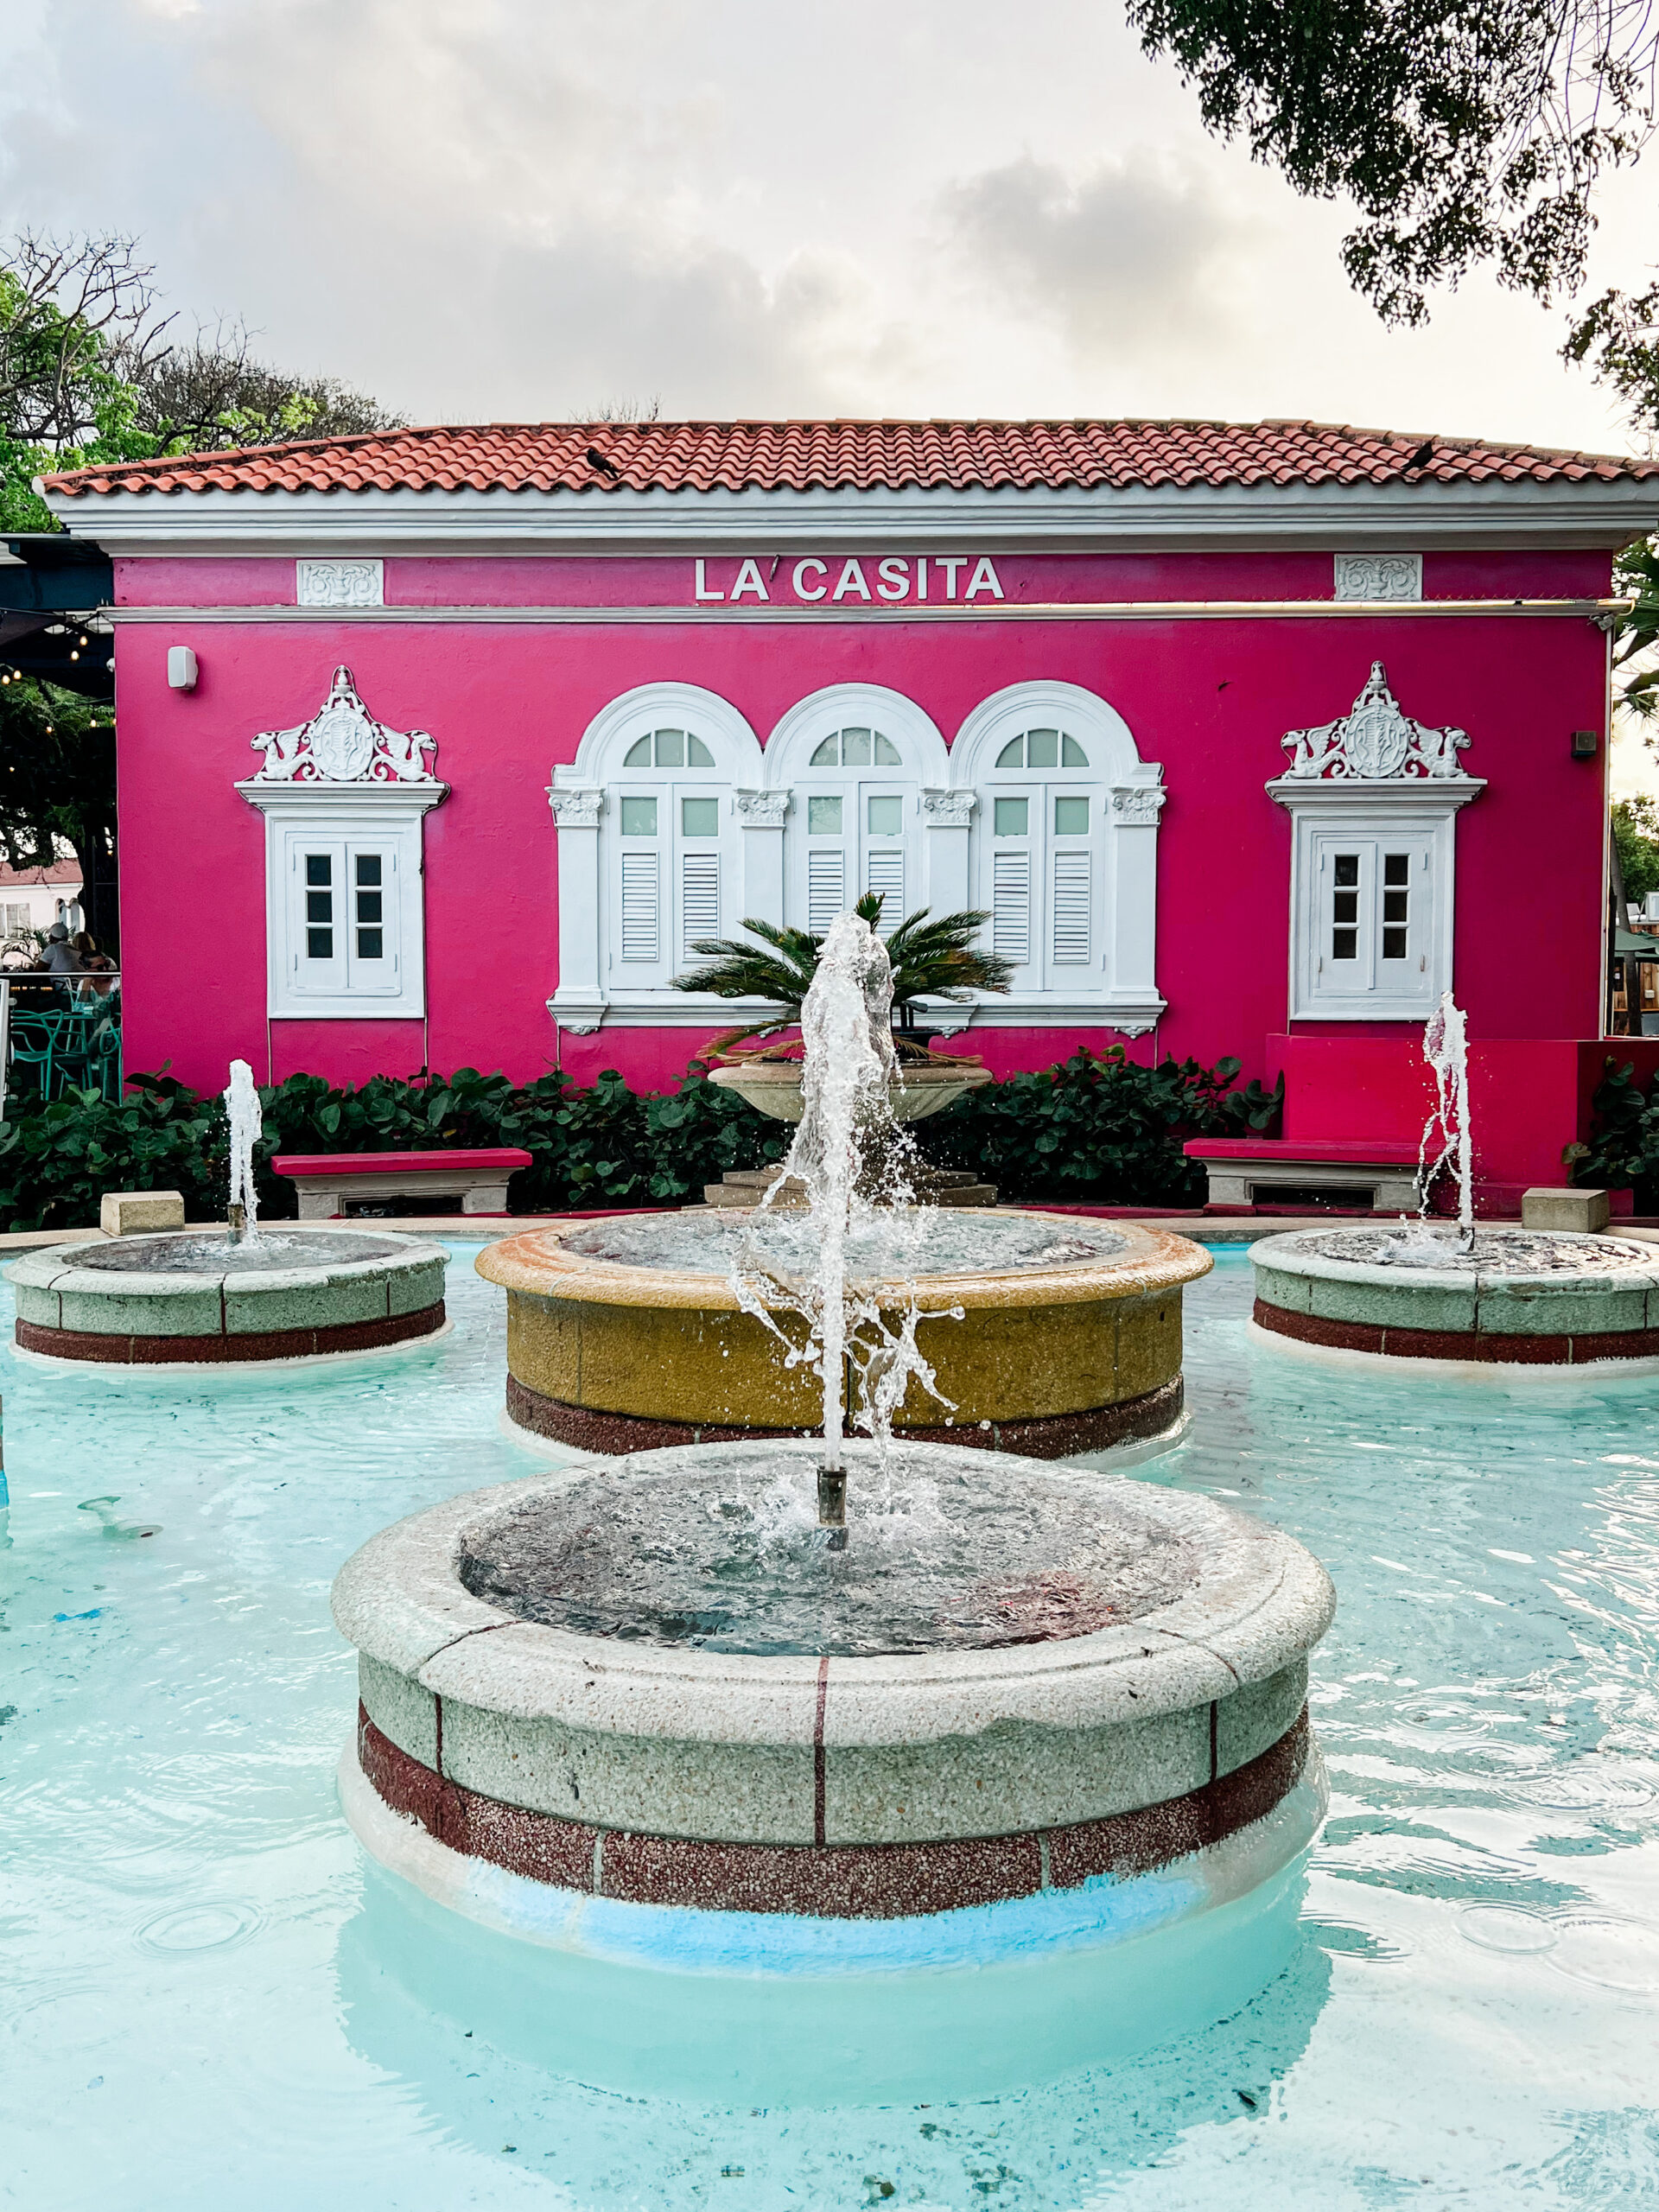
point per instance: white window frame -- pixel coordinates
(1116, 986)
(946, 794)
(1328, 813)
(343, 818)
(596, 982)
(923, 765)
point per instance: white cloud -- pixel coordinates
(481, 208)
(1133, 258)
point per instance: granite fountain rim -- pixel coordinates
(1288, 1252)
(55, 1267)
(538, 1262)
(1261, 1602)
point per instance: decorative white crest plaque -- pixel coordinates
(343, 744)
(339, 583)
(1376, 740)
(1379, 575)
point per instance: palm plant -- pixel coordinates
(930, 959)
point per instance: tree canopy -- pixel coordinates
(1465, 131)
(92, 370)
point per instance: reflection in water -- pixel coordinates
(481, 2028)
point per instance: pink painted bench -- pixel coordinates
(1247, 1172)
(332, 1185)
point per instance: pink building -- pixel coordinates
(1251, 739)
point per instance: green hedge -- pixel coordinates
(1098, 1129)
(1623, 1150)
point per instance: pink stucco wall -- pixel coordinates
(668, 580)
(1210, 699)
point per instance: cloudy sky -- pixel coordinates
(500, 208)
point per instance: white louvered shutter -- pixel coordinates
(825, 887)
(884, 872)
(699, 897)
(1070, 943)
(1011, 907)
(640, 932)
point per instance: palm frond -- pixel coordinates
(931, 959)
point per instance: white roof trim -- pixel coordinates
(1391, 518)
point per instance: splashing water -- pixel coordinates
(242, 1106)
(1446, 1048)
(852, 1159)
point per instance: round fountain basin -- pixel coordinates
(197, 1295)
(1522, 1298)
(686, 1700)
(774, 1087)
(1049, 1334)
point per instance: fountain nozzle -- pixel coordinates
(832, 1505)
(239, 1221)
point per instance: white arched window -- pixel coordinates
(857, 762)
(651, 850)
(1063, 854)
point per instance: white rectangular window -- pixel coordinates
(343, 910)
(699, 896)
(344, 916)
(640, 898)
(1072, 895)
(1011, 906)
(825, 885)
(1371, 943)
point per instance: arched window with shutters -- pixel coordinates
(1063, 852)
(857, 761)
(651, 854)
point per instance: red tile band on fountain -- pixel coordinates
(124, 1349)
(1491, 1348)
(835, 1881)
(1057, 1436)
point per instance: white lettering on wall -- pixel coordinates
(898, 579)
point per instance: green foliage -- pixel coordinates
(1620, 334)
(606, 1146)
(929, 960)
(1636, 672)
(1465, 133)
(1099, 1129)
(91, 374)
(1624, 1149)
(57, 771)
(1636, 834)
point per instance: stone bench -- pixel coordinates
(1244, 1172)
(336, 1185)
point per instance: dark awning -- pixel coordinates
(55, 589)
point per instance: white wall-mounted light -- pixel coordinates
(181, 669)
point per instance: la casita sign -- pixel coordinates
(864, 578)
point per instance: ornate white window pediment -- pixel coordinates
(1373, 799)
(344, 798)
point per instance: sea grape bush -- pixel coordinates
(1097, 1129)
(1623, 1150)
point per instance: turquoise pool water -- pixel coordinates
(198, 2003)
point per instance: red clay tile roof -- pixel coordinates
(858, 456)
